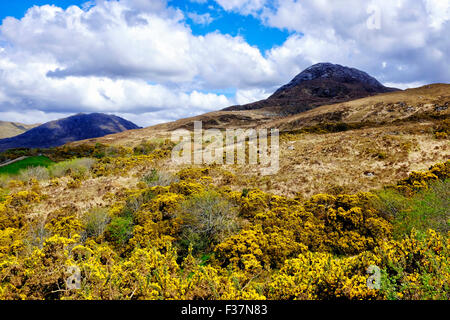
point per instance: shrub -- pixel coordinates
(95, 222)
(120, 230)
(319, 275)
(418, 181)
(77, 167)
(74, 184)
(65, 226)
(390, 203)
(135, 201)
(38, 173)
(3, 194)
(415, 268)
(149, 147)
(37, 233)
(208, 218)
(159, 178)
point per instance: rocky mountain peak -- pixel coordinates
(336, 72)
(319, 84)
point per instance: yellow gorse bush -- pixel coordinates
(283, 248)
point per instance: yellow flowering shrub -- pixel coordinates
(417, 267)
(253, 203)
(11, 240)
(417, 181)
(350, 224)
(318, 275)
(244, 250)
(260, 246)
(65, 226)
(14, 207)
(187, 188)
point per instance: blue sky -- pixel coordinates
(153, 61)
(249, 27)
(18, 8)
(233, 23)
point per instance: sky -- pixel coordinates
(152, 61)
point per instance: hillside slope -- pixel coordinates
(430, 101)
(11, 129)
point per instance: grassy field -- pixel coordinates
(14, 168)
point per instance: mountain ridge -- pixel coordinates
(319, 84)
(73, 128)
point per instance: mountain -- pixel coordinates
(11, 129)
(320, 84)
(403, 106)
(73, 128)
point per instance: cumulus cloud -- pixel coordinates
(251, 95)
(113, 57)
(399, 41)
(409, 36)
(140, 58)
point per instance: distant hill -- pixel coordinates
(318, 85)
(11, 129)
(73, 128)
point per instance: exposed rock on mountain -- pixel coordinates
(320, 84)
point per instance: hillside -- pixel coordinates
(320, 84)
(411, 105)
(430, 101)
(11, 129)
(361, 183)
(59, 132)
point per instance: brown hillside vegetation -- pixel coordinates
(11, 129)
(427, 102)
(369, 187)
(431, 101)
(353, 146)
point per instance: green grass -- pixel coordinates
(16, 167)
(426, 209)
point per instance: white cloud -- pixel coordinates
(411, 34)
(203, 19)
(439, 12)
(139, 58)
(30, 116)
(405, 85)
(242, 6)
(114, 58)
(251, 95)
